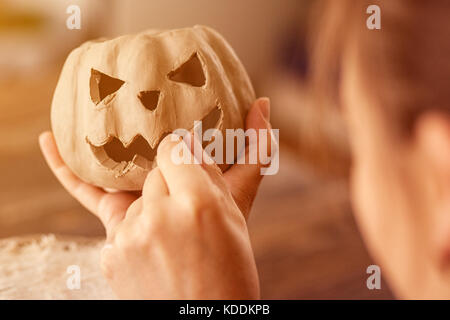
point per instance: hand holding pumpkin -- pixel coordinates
(186, 236)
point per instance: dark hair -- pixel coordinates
(405, 65)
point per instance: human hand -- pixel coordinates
(186, 236)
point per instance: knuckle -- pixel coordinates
(199, 206)
(122, 239)
(148, 228)
(194, 202)
(145, 229)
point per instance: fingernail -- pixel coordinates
(173, 137)
(264, 107)
(42, 135)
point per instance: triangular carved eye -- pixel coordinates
(190, 72)
(149, 99)
(102, 85)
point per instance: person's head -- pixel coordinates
(393, 86)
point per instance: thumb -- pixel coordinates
(243, 179)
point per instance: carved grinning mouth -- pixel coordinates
(121, 158)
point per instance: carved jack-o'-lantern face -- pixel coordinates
(117, 99)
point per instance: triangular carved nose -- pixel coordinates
(149, 99)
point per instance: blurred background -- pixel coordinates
(304, 236)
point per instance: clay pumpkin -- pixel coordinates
(116, 99)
